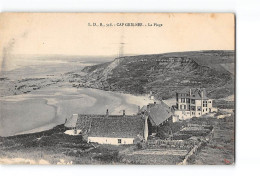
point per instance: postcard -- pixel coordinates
(117, 88)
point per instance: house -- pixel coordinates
(113, 129)
(158, 114)
(192, 103)
(117, 130)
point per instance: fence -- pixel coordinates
(196, 147)
(177, 144)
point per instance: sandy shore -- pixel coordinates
(45, 108)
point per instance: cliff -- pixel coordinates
(164, 74)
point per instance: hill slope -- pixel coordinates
(165, 73)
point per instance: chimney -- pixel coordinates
(107, 112)
(146, 127)
(201, 100)
(123, 112)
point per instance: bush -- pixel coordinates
(108, 157)
(167, 129)
(140, 145)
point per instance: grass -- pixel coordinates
(221, 149)
(152, 159)
(169, 128)
(55, 147)
(51, 145)
(158, 73)
(224, 104)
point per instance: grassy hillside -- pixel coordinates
(55, 147)
(164, 74)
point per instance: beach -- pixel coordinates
(47, 107)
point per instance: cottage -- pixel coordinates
(192, 103)
(117, 130)
(113, 129)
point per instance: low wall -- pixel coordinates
(177, 144)
(112, 141)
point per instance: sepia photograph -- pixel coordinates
(117, 88)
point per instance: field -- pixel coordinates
(221, 149)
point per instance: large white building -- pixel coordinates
(192, 103)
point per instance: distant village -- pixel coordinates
(134, 129)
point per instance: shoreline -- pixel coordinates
(64, 102)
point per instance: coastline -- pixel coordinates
(64, 102)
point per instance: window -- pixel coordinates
(205, 104)
(209, 101)
(193, 108)
(188, 100)
(206, 109)
(193, 101)
(184, 106)
(199, 108)
(183, 100)
(119, 141)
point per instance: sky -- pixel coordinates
(70, 33)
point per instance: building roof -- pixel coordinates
(72, 121)
(114, 126)
(158, 113)
(170, 102)
(196, 93)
